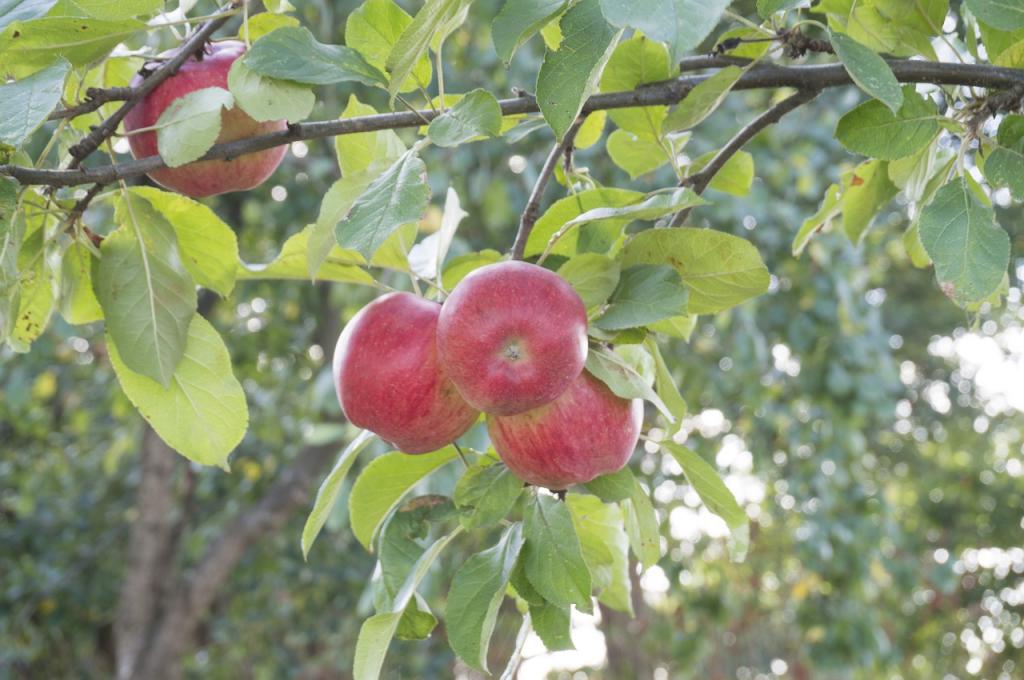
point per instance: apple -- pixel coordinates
(512, 336)
(586, 432)
(205, 178)
(389, 380)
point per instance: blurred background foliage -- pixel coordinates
(856, 413)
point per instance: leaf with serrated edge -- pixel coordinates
(552, 557)
(486, 494)
(343, 266)
(605, 548)
(25, 104)
(642, 526)
(190, 125)
(593, 276)
(266, 98)
(292, 53)
(431, 26)
(327, 494)
(475, 115)
(622, 379)
(871, 73)
(703, 99)
(646, 293)
(873, 130)
(202, 413)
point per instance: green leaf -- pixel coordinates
(208, 246)
(12, 228)
(431, 26)
(363, 151)
(417, 622)
(766, 8)
(383, 483)
(147, 295)
(292, 263)
(650, 208)
(373, 29)
(1006, 14)
(563, 210)
(636, 154)
(105, 9)
(635, 62)
(377, 631)
(622, 379)
(519, 20)
(327, 494)
(605, 548)
(475, 115)
(264, 23)
(708, 485)
(478, 588)
(677, 327)
(735, 177)
(78, 303)
(28, 46)
(23, 10)
(552, 558)
(703, 99)
(830, 208)
(25, 104)
(720, 269)
(591, 130)
(569, 75)
(665, 386)
(201, 414)
(616, 486)
(400, 546)
(486, 494)
(34, 295)
(593, 276)
(867, 192)
(266, 98)
(292, 53)
(682, 24)
(552, 623)
(970, 250)
(642, 526)
(873, 130)
(337, 203)
(190, 125)
(646, 293)
(1004, 166)
(458, 267)
(395, 198)
(871, 73)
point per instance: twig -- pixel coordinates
(700, 180)
(78, 210)
(810, 77)
(529, 217)
(108, 127)
(95, 97)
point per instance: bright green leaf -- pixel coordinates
(266, 98)
(703, 99)
(622, 379)
(873, 130)
(642, 526)
(475, 115)
(432, 24)
(565, 209)
(635, 154)
(190, 125)
(735, 177)
(28, 46)
(519, 20)
(363, 151)
(373, 29)
(635, 62)
(485, 494)
(605, 548)
(593, 276)
(343, 266)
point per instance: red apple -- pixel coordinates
(205, 178)
(389, 380)
(586, 432)
(512, 337)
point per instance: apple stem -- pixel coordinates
(462, 456)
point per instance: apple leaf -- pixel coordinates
(25, 104)
(552, 558)
(383, 483)
(682, 24)
(1007, 14)
(78, 303)
(209, 249)
(1004, 166)
(363, 151)
(565, 209)
(552, 624)
(519, 20)
(636, 154)
(652, 207)
(665, 385)
(871, 73)
(23, 10)
(622, 379)
(712, 491)
(106, 9)
(264, 23)
(34, 295)
(458, 267)
(735, 177)
(79, 40)
(292, 53)
(11, 235)
(292, 263)
(703, 99)
(970, 250)
(873, 130)
(615, 486)
(642, 526)
(397, 197)
(570, 74)
(721, 270)
(431, 26)
(486, 493)
(593, 276)
(337, 203)
(191, 124)
(374, 28)
(831, 206)
(377, 631)
(201, 413)
(427, 256)
(636, 62)
(327, 494)
(400, 546)
(147, 295)
(477, 590)
(475, 115)
(605, 548)
(867, 191)
(265, 98)
(646, 293)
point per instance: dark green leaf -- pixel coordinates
(374, 28)
(475, 115)
(642, 526)
(292, 53)
(519, 20)
(703, 99)
(682, 24)
(486, 494)
(552, 623)
(646, 293)
(873, 130)
(593, 276)
(327, 494)
(552, 556)
(871, 73)
(617, 486)
(1006, 14)
(25, 104)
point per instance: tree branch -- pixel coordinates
(812, 77)
(529, 217)
(95, 97)
(108, 127)
(700, 180)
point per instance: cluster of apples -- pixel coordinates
(510, 341)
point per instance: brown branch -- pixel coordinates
(95, 97)
(700, 180)
(811, 77)
(532, 209)
(108, 127)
